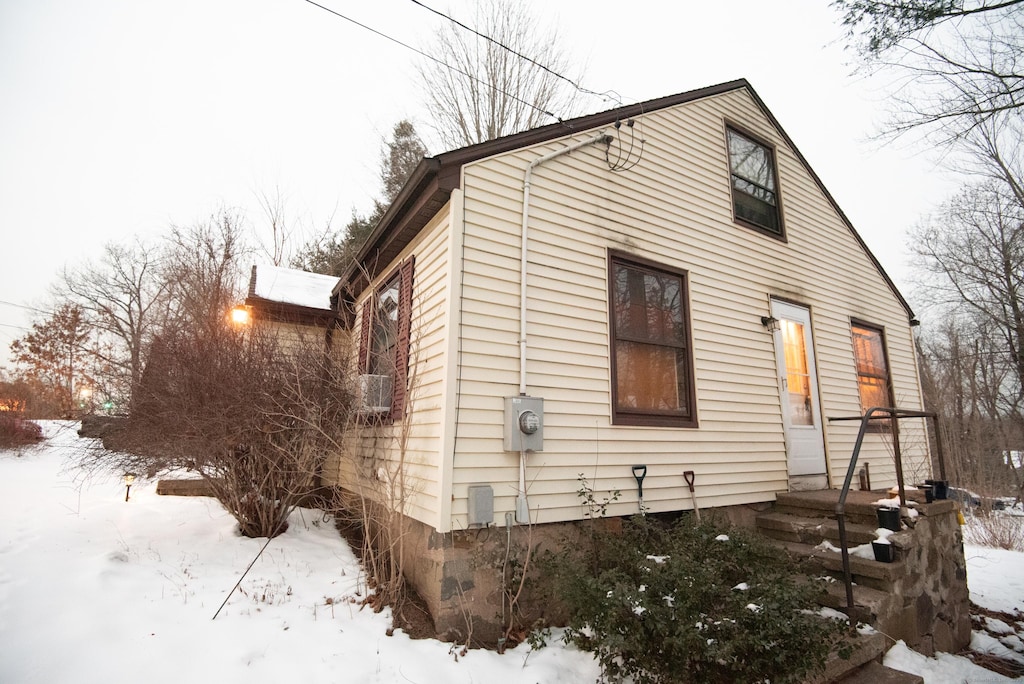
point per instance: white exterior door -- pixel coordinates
(798, 388)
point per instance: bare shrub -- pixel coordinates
(252, 414)
(997, 530)
(16, 432)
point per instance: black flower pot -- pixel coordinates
(884, 551)
(889, 518)
(940, 488)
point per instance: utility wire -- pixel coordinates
(435, 59)
(22, 306)
(608, 95)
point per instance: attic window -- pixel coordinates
(755, 197)
(652, 359)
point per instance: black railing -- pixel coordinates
(894, 415)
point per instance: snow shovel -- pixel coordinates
(688, 476)
(640, 472)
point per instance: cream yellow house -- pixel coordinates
(667, 285)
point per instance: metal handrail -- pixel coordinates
(895, 414)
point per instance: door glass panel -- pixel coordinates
(798, 378)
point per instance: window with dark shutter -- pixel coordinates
(384, 343)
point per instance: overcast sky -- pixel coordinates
(120, 118)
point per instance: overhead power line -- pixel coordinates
(432, 58)
(608, 96)
(22, 306)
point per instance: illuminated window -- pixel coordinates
(652, 365)
(755, 197)
(872, 366)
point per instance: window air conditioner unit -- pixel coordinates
(375, 393)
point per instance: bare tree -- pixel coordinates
(957, 64)
(971, 268)
(203, 269)
(504, 76)
(274, 206)
(124, 300)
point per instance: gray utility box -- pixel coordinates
(481, 505)
(524, 424)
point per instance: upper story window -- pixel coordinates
(384, 344)
(755, 196)
(651, 360)
(873, 379)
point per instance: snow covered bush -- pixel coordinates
(683, 603)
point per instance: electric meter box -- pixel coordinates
(524, 424)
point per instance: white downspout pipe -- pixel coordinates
(522, 508)
(527, 178)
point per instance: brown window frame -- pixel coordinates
(641, 417)
(779, 232)
(402, 276)
(875, 425)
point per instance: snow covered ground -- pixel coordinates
(97, 589)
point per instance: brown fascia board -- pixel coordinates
(433, 180)
(283, 312)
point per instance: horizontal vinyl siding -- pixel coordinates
(674, 208)
(376, 456)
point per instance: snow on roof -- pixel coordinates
(291, 286)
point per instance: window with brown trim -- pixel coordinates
(873, 381)
(384, 344)
(755, 195)
(651, 356)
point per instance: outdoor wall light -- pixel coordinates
(771, 323)
(240, 315)
(129, 478)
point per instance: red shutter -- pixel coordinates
(364, 335)
(401, 378)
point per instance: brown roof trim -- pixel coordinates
(433, 180)
(283, 312)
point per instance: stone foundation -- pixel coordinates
(459, 575)
(930, 603)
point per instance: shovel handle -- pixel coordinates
(640, 472)
(688, 476)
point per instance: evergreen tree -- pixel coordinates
(333, 252)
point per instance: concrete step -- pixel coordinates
(869, 603)
(876, 673)
(868, 573)
(798, 528)
(867, 648)
(860, 507)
